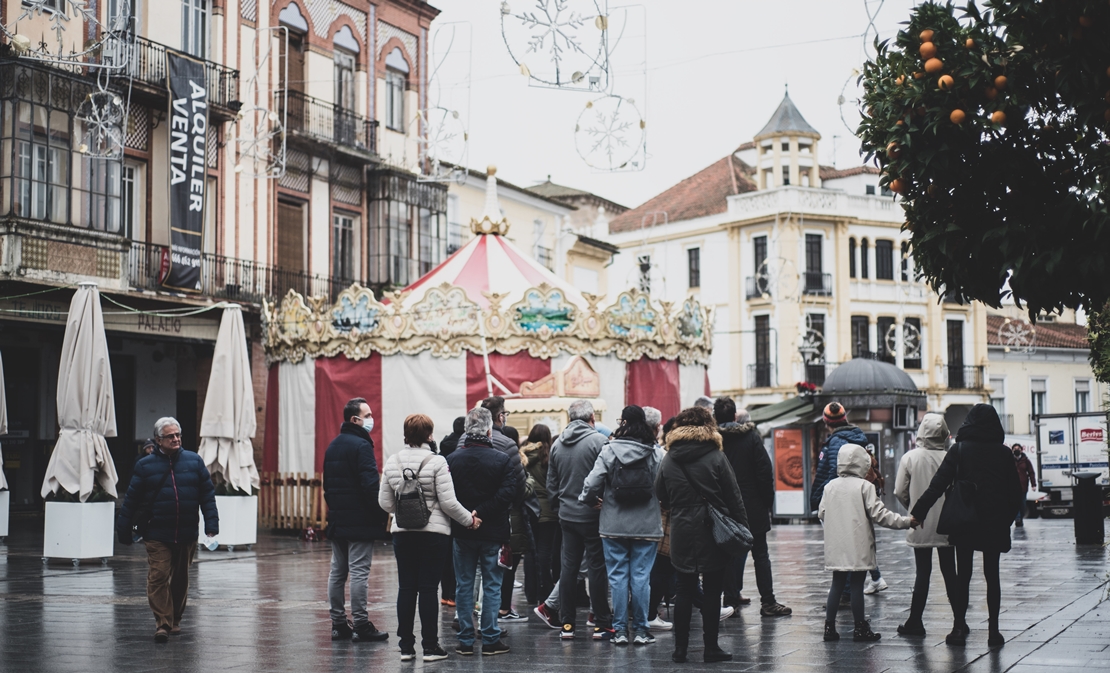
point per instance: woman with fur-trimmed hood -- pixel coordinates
(695, 471)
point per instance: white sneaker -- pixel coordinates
(726, 612)
(660, 624)
(518, 584)
(874, 587)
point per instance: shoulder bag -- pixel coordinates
(730, 535)
(958, 513)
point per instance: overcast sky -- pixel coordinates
(715, 72)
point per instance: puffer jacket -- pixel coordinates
(537, 475)
(849, 509)
(641, 521)
(827, 460)
(435, 481)
(572, 457)
(749, 460)
(698, 449)
(915, 471)
(187, 489)
(351, 484)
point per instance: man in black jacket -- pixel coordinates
(750, 463)
(450, 442)
(354, 520)
(496, 407)
(486, 484)
(167, 488)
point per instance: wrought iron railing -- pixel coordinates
(756, 288)
(761, 375)
(818, 283)
(229, 278)
(965, 377)
(327, 122)
(145, 60)
(817, 372)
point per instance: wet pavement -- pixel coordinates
(266, 610)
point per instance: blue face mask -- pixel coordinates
(368, 424)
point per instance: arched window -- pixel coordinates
(852, 257)
(863, 258)
(396, 77)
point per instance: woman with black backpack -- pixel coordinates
(416, 488)
(622, 484)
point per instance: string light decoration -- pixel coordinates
(911, 341)
(559, 43)
(779, 278)
(443, 145)
(261, 137)
(108, 51)
(101, 116)
(611, 134)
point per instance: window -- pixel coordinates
(813, 353)
(693, 265)
(343, 246)
(1038, 396)
(955, 331)
(998, 396)
(194, 27)
(851, 258)
(884, 260)
(454, 228)
(884, 333)
(814, 278)
(1082, 396)
(53, 5)
(905, 261)
(861, 337)
(759, 247)
(396, 78)
(102, 203)
(129, 199)
(407, 236)
(433, 239)
(42, 182)
(644, 263)
(762, 375)
(912, 343)
(869, 190)
(863, 261)
(785, 176)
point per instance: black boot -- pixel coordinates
(714, 653)
(368, 633)
(995, 639)
(341, 630)
(863, 633)
(831, 633)
(958, 636)
(912, 627)
(679, 654)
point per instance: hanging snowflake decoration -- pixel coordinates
(106, 52)
(260, 139)
(558, 42)
(911, 341)
(443, 146)
(1017, 336)
(812, 347)
(779, 278)
(101, 117)
(610, 134)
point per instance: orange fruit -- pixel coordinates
(928, 50)
(894, 150)
(1000, 82)
(946, 82)
(998, 117)
(901, 79)
(898, 186)
(919, 75)
(957, 116)
(970, 44)
(991, 93)
(926, 35)
(899, 123)
(933, 66)
(1086, 21)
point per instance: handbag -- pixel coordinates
(140, 522)
(731, 536)
(958, 513)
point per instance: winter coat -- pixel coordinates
(827, 460)
(435, 481)
(187, 489)
(698, 449)
(979, 456)
(485, 481)
(572, 458)
(915, 471)
(849, 509)
(749, 460)
(537, 475)
(1026, 473)
(507, 446)
(351, 484)
(641, 521)
(448, 444)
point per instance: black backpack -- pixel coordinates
(632, 483)
(412, 511)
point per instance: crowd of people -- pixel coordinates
(609, 522)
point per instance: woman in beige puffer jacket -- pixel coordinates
(915, 471)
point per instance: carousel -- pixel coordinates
(489, 320)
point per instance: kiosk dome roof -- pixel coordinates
(863, 375)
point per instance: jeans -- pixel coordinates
(628, 563)
(349, 557)
(710, 607)
(167, 580)
(923, 558)
(472, 556)
(419, 566)
(579, 539)
(840, 580)
(761, 559)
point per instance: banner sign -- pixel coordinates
(188, 169)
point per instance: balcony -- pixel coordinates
(817, 372)
(230, 278)
(761, 375)
(817, 283)
(756, 288)
(965, 377)
(147, 64)
(322, 122)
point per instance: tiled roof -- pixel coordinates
(1048, 334)
(787, 119)
(551, 190)
(703, 193)
(830, 173)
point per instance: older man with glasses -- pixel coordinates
(167, 489)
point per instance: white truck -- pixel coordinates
(1069, 443)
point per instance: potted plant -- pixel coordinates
(805, 388)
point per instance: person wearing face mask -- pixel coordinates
(168, 487)
(1028, 477)
(351, 485)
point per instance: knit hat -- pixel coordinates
(835, 414)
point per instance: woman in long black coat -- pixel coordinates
(693, 472)
(979, 456)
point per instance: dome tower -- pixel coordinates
(787, 149)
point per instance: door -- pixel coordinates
(291, 80)
(290, 248)
(122, 446)
(956, 354)
(21, 444)
(344, 128)
(762, 377)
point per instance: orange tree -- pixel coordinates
(993, 126)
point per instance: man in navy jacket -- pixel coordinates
(167, 488)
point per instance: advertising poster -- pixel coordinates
(789, 472)
(188, 126)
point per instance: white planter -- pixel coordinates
(5, 503)
(238, 521)
(79, 530)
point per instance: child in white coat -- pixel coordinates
(849, 509)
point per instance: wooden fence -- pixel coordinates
(292, 501)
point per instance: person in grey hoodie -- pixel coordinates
(631, 525)
(572, 457)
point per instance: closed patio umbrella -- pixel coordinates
(228, 422)
(86, 410)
